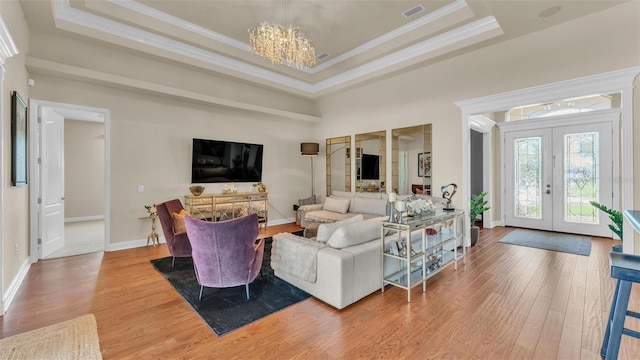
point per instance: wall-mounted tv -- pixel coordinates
(215, 161)
(369, 167)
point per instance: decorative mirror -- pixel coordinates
(338, 164)
(411, 167)
(371, 162)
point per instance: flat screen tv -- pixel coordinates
(370, 167)
(215, 161)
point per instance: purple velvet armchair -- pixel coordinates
(225, 253)
(178, 244)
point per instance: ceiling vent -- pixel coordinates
(413, 11)
(322, 56)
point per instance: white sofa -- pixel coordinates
(340, 266)
(342, 205)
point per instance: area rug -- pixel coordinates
(573, 244)
(72, 339)
(225, 310)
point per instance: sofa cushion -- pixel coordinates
(346, 194)
(325, 230)
(355, 233)
(368, 206)
(323, 216)
(335, 204)
(369, 195)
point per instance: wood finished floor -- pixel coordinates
(507, 302)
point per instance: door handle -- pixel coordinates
(548, 191)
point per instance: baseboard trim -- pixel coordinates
(13, 288)
(84, 218)
(497, 223)
(132, 244)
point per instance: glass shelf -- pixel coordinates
(419, 255)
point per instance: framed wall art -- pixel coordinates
(424, 164)
(18, 140)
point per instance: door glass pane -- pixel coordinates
(528, 177)
(581, 177)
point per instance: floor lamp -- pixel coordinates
(311, 150)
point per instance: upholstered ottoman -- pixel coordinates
(311, 230)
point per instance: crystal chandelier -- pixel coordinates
(282, 45)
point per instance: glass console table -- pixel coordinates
(411, 254)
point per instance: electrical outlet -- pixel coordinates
(17, 250)
(140, 188)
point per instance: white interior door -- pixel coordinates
(52, 192)
(553, 174)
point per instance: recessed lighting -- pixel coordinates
(550, 11)
(322, 56)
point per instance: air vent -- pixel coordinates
(322, 56)
(413, 11)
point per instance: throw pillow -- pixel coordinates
(308, 201)
(355, 233)
(338, 205)
(178, 222)
(325, 230)
(368, 206)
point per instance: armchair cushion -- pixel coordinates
(339, 205)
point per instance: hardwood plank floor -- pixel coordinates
(506, 302)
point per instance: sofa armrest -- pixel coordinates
(305, 209)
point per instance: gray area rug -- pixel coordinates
(572, 244)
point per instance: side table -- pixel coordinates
(153, 236)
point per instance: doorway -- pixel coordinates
(553, 174)
(70, 172)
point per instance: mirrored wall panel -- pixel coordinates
(412, 166)
(339, 164)
(371, 162)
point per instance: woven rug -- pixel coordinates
(72, 339)
(569, 243)
(227, 309)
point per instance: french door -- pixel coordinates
(553, 174)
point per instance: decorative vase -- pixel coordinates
(474, 234)
(196, 190)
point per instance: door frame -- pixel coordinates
(619, 81)
(35, 143)
(611, 116)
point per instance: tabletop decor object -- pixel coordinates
(196, 190)
(230, 189)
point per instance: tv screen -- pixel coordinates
(215, 161)
(370, 167)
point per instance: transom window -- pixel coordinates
(562, 107)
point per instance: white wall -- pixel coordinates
(83, 169)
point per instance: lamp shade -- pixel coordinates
(310, 149)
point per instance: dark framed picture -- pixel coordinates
(18, 140)
(424, 164)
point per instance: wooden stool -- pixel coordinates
(625, 268)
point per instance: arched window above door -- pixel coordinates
(564, 107)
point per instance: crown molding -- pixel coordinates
(479, 30)
(487, 26)
(8, 47)
(611, 82)
(433, 16)
(50, 67)
(177, 22)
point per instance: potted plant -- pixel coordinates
(478, 206)
(614, 215)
